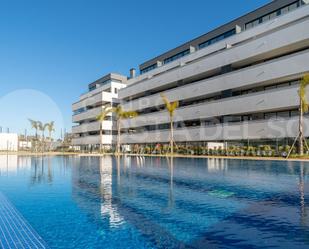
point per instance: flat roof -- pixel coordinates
(241, 22)
(110, 76)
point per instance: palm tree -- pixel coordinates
(42, 128)
(101, 117)
(121, 114)
(50, 128)
(303, 108)
(35, 126)
(170, 107)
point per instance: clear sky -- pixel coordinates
(51, 49)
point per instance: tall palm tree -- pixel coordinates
(50, 128)
(120, 115)
(170, 107)
(303, 108)
(35, 126)
(101, 117)
(42, 128)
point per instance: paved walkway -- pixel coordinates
(15, 231)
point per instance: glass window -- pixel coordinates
(294, 113)
(177, 56)
(249, 25)
(296, 82)
(293, 6)
(217, 39)
(270, 115)
(147, 69)
(283, 114)
(265, 18)
(273, 15)
(284, 10)
(255, 23)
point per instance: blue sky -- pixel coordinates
(57, 47)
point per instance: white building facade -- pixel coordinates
(101, 93)
(238, 82)
(8, 142)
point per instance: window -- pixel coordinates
(284, 10)
(147, 69)
(293, 6)
(283, 114)
(270, 115)
(92, 87)
(177, 56)
(274, 14)
(217, 38)
(115, 90)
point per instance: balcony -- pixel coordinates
(89, 114)
(97, 99)
(94, 140)
(277, 99)
(93, 126)
(277, 70)
(264, 129)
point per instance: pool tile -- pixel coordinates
(15, 231)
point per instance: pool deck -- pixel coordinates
(15, 232)
(297, 159)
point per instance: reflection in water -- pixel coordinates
(38, 171)
(107, 209)
(12, 164)
(303, 213)
(170, 162)
(93, 189)
(217, 164)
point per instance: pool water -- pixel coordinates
(138, 202)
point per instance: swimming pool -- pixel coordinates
(138, 202)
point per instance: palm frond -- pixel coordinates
(41, 127)
(106, 110)
(170, 106)
(129, 114)
(121, 114)
(50, 126)
(34, 124)
(174, 105)
(165, 101)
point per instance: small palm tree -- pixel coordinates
(121, 114)
(303, 108)
(170, 107)
(50, 128)
(101, 117)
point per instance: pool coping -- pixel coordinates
(156, 155)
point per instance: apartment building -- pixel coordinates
(238, 82)
(103, 92)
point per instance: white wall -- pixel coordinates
(8, 141)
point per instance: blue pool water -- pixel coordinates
(137, 202)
